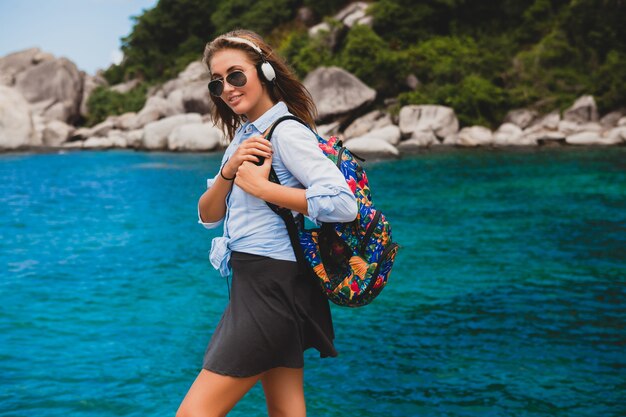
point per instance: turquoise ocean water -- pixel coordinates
(508, 296)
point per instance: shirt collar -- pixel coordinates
(262, 123)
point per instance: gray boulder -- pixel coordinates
(583, 110)
(390, 134)
(370, 145)
(328, 34)
(100, 142)
(156, 108)
(550, 121)
(194, 137)
(195, 71)
(533, 134)
(75, 144)
(39, 124)
(328, 130)
(610, 120)
(188, 92)
(58, 82)
(475, 136)
(353, 14)
(103, 128)
(90, 83)
(420, 139)
(337, 92)
(56, 133)
(16, 123)
(119, 138)
(521, 117)
(191, 98)
(592, 138)
(156, 133)
(126, 121)
(440, 120)
(616, 135)
(167, 88)
(507, 134)
(100, 130)
(591, 127)
(16, 62)
(568, 127)
(134, 138)
(371, 121)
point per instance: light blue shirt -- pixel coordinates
(249, 224)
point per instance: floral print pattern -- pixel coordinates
(353, 260)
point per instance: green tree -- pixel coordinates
(551, 73)
(105, 102)
(366, 55)
(595, 27)
(404, 22)
(161, 36)
(481, 57)
(260, 16)
(445, 59)
(304, 53)
(610, 82)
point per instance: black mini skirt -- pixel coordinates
(275, 313)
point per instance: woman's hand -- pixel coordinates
(253, 178)
(249, 150)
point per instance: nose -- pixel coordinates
(227, 87)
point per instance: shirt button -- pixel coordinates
(248, 129)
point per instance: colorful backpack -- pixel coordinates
(351, 261)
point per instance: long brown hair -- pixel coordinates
(286, 87)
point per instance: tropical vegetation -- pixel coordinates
(480, 57)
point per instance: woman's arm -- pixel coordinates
(212, 203)
(329, 197)
(326, 198)
(254, 180)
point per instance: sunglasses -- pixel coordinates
(236, 79)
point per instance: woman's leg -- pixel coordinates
(213, 395)
(284, 392)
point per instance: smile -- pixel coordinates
(232, 99)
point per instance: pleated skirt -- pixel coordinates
(274, 314)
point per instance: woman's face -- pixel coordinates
(251, 100)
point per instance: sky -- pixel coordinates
(88, 32)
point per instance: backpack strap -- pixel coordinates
(285, 213)
(292, 230)
(282, 119)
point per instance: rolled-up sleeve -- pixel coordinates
(209, 225)
(329, 198)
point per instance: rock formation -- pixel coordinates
(336, 92)
(16, 123)
(42, 96)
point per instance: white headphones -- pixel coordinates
(265, 69)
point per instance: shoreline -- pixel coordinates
(438, 149)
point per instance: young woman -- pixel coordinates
(275, 312)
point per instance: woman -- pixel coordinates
(275, 312)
